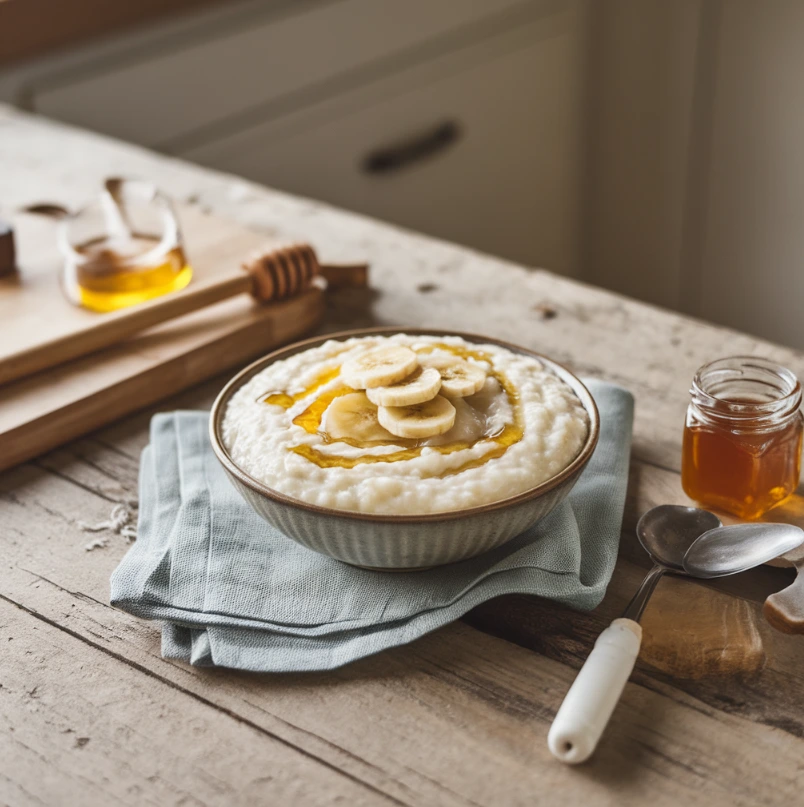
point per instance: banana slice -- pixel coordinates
(459, 378)
(354, 416)
(420, 420)
(420, 386)
(470, 426)
(379, 367)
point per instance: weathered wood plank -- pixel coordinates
(484, 706)
(435, 707)
(78, 726)
(472, 713)
(458, 717)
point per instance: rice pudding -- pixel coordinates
(404, 424)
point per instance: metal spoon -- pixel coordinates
(740, 547)
(669, 536)
(666, 533)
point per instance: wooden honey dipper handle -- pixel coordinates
(270, 275)
(286, 271)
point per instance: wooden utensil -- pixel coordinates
(272, 273)
(785, 609)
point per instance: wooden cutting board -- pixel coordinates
(44, 410)
(37, 317)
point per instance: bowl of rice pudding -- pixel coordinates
(407, 449)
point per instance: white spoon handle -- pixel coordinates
(593, 695)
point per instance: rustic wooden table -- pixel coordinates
(91, 714)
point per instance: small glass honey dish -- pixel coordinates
(122, 249)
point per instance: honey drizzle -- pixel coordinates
(310, 420)
(285, 400)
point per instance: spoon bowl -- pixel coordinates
(739, 547)
(668, 531)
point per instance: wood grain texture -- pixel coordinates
(49, 408)
(83, 742)
(459, 717)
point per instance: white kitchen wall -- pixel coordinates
(641, 86)
(696, 153)
(752, 253)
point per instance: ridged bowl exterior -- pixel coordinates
(393, 545)
(401, 542)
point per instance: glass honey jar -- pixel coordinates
(742, 438)
(123, 249)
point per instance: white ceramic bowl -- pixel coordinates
(392, 542)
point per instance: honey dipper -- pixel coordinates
(270, 275)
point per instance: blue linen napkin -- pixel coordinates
(233, 591)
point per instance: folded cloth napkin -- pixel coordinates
(234, 592)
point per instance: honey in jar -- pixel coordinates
(742, 438)
(112, 274)
(123, 249)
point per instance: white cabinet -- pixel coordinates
(246, 64)
(480, 147)
(471, 107)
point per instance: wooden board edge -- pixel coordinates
(161, 381)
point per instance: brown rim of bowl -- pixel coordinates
(245, 375)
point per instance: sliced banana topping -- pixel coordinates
(459, 378)
(420, 386)
(469, 427)
(420, 420)
(354, 416)
(379, 367)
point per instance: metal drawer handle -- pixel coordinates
(420, 147)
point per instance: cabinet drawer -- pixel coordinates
(179, 88)
(481, 149)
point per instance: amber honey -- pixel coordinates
(743, 436)
(106, 275)
(123, 248)
(311, 419)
